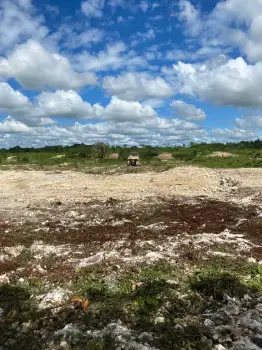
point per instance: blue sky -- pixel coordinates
(129, 71)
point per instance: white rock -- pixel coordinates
(4, 279)
(1, 312)
(152, 256)
(68, 330)
(53, 298)
(25, 328)
(219, 347)
(247, 297)
(39, 269)
(14, 251)
(160, 319)
(208, 323)
(64, 344)
(95, 259)
(245, 344)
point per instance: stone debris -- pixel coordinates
(4, 279)
(95, 259)
(124, 337)
(54, 298)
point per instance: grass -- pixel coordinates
(241, 161)
(86, 157)
(233, 278)
(138, 297)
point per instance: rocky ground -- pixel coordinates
(169, 260)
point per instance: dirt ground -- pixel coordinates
(54, 224)
(22, 188)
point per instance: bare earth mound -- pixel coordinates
(222, 154)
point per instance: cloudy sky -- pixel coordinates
(130, 71)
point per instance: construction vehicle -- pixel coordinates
(133, 159)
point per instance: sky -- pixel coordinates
(132, 72)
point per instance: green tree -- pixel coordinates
(100, 151)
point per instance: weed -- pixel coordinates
(216, 282)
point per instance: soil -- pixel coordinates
(54, 223)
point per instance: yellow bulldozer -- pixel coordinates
(133, 159)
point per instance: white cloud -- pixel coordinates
(64, 104)
(191, 16)
(139, 37)
(11, 126)
(19, 22)
(119, 110)
(222, 81)
(93, 8)
(74, 40)
(249, 122)
(231, 23)
(73, 37)
(53, 10)
(11, 99)
(121, 19)
(35, 68)
(154, 102)
(152, 131)
(113, 57)
(135, 86)
(188, 111)
(155, 5)
(20, 107)
(199, 54)
(144, 5)
(235, 134)
(116, 3)
(68, 104)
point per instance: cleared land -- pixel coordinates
(166, 260)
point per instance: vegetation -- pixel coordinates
(159, 299)
(81, 156)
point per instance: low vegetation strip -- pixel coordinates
(101, 157)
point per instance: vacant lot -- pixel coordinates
(167, 260)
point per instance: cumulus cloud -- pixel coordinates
(11, 99)
(223, 81)
(188, 111)
(153, 131)
(35, 68)
(64, 104)
(191, 16)
(11, 126)
(119, 110)
(234, 134)
(135, 86)
(249, 122)
(230, 23)
(19, 22)
(68, 104)
(93, 8)
(19, 106)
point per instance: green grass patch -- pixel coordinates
(234, 280)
